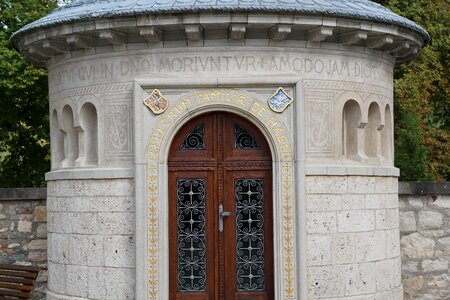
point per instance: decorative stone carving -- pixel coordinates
(353, 37)
(112, 37)
(118, 129)
(194, 32)
(319, 124)
(320, 34)
(151, 34)
(77, 41)
(56, 47)
(280, 32)
(372, 133)
(380, 41)
(237, 31)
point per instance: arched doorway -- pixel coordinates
(220, 210)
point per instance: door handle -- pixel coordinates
(221, 215)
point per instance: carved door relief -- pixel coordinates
(220, 211)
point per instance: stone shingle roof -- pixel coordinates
(91, 9)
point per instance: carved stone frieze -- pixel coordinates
(95, 89)
(349, 86)
(319, 123)
(118, 130)
(325, 64)
(328, 137)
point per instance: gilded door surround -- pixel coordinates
(153, 136)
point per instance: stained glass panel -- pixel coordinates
(243, 140)
(249, 234)
(191, 235)
(195, 139)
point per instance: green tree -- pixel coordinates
(421, 89)
(414, 157)
(24, 146)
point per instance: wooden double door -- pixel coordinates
(220, 211)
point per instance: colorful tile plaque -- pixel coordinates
(280, 100)
(156, 102)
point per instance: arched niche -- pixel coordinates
(88, 136)
(352, 136)
(57, 138)
(372, 135)
(70, 138)
(387, 136)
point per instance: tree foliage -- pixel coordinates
(24, 146)
(408, 139)
(422, 92)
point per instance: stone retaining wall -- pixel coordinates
(23, 231)
(425, 240)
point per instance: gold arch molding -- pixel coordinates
(257, 111)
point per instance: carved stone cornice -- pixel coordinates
(40, 46)
(237, 31)
(151, 34)
(355, 37)
(280, 32)
(320, 34)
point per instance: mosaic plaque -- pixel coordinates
(280, 100)
(156, 102)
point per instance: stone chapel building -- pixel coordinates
(222, 149)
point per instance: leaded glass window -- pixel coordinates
(243, 140)
(191, 223)
(195, 140)
(249, 234)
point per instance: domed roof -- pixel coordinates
(92, 9)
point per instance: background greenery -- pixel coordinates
(422, 102)
(24, 124)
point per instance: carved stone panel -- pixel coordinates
(319, 113)
(118, 130)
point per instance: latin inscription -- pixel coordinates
(153, 64)
(83, 72)
(220, 96)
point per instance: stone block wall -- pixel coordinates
(352, 229)
(425, 240)
(335, 219)
(91, 247)
(23, 231)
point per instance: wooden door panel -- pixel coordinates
(236, 242)
(182, 231)
(192, 296)
(226, 160)
(243, 141)
(252, 296)
(191, 145)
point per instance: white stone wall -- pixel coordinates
(116, 83)
(328, 79)
(91, 248)
(425, 246)
(353, 249)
